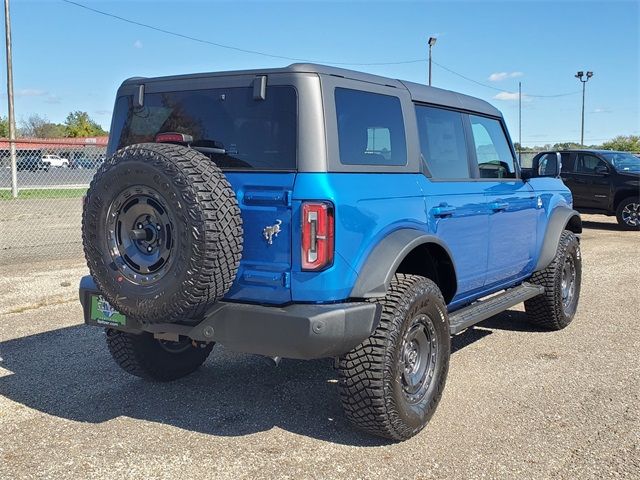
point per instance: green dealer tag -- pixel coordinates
(103, 313)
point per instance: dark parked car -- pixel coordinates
(602, 181)
(32, 164)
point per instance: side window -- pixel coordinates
(588, 163)
(568, 162)
(442, 142)
(495, 159)
(370, 128)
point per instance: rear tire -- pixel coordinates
(146, 357)
(555, 308)
(628, 213)
(391, 383)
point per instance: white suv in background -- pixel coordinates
(55, 160)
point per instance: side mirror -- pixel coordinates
(601, 170)
(548, 165)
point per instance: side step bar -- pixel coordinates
(483, 309)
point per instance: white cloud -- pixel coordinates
(53, 99)
(499, 76)
(602, 110)
(137, 44)
(30, 92)
(103, 112)
(511, 97)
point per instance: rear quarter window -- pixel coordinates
(227, 124)
(370, 128)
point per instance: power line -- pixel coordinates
(501, 89)
(231, 47)
(295, 59)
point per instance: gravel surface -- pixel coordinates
(519, 403)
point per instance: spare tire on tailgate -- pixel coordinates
(162, 232)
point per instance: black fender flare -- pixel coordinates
(378, 269)
(560, 218)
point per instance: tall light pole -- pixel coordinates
(12, 118)
(584, 79)
(432, 42)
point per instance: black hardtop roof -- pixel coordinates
(418, 92)
(589, 150)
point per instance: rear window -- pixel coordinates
(227, 124)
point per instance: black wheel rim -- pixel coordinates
(631, 214)
(418, 358)
(568, 283)
(180, 346)
(140, 231)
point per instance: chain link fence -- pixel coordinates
(43, 221)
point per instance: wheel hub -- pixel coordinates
(631, 214)
(568, 282)
(418, 359)
(140, 234)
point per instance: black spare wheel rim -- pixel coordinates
(140, 229)
(419, 354)
(162, 233)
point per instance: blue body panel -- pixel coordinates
(494, 230)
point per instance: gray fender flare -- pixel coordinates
(558, 222)
(378, 269)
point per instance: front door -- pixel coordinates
(511, 204)
(590, 182)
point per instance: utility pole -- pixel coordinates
(432, 42)
(520, 121)
(12, 117)
(580, 76)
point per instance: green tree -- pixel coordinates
(40, 127)
(567, 146)
(625, 143)
(80, 124)
(4, 127)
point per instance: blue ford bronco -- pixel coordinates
(310, 212)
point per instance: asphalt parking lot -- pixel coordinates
(519, 403)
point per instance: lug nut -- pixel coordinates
(149, 249)
(139, 225)
(158, 227)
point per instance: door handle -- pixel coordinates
(443, 211)
(498, 206)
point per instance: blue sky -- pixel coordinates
(67, 58)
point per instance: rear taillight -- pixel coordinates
(317, 235)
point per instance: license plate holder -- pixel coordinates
(99, 312)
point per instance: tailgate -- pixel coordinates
(265, 269)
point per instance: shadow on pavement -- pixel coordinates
(69, 373)
(602, 226)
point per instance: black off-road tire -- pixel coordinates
(631, 204)
(146, 357)
(548, 309)
(202, 242)
(371, 377)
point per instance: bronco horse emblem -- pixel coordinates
(271, 231)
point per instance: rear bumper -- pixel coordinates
(302, 331)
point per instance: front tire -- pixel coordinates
(628, 213)
(157, 360)
(391, 383)
(555, 308)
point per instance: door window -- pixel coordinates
(495, 158)
(587, 164)
(442, 142)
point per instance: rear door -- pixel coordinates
(511, 203)
(455, 202)
(254, 141)
(591, 186)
